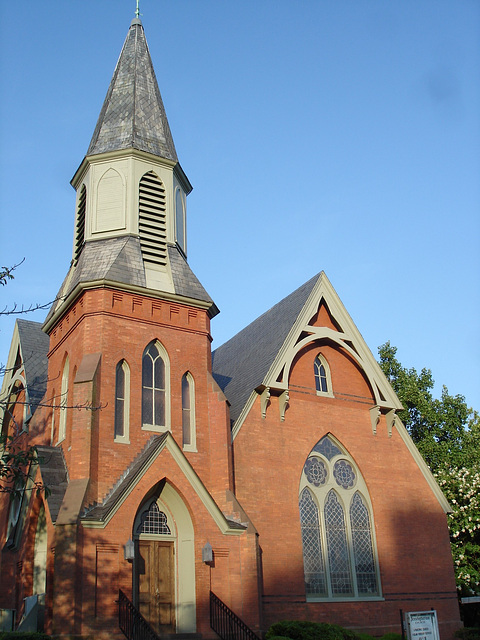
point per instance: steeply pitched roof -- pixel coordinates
(241, 364)
(34, 345)
(120, 260)
(133, 115)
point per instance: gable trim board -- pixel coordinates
(159, 443)
(385, 398)
(322, 290)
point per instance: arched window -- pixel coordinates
(154, 521)
(62, 425)
(188, 412)
(122, 402)
(152, 219)
(323, 382)
(337, 535)
(155, 388)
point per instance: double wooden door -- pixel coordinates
(156, 584)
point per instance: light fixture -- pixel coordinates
(129, 550)
(207, 553)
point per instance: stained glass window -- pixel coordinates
(327, 448)
(315, 581)
(338, 556)
(362, 547)
(338, 546)
(344, 474)
(316, 471)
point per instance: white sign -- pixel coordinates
(422, 625)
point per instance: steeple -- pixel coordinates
(130, 222)
(133, 115)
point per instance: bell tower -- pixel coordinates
(130, 222)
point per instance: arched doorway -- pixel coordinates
(164, 567)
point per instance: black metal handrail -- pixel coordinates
(131, 622)
(227, 624)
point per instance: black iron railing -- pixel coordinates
(131, 622)
(226, 624)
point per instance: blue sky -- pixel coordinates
(334, 135)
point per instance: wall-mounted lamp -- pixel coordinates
(207, 553)
(129, 550)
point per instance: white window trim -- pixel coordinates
(329, 392)
(193, 427)
(167, 426)
(125, 439)
(62, 423)
(345, 496)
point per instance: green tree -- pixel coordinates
(447, 434)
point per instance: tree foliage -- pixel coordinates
(447, 434)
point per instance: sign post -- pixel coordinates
(422, 625)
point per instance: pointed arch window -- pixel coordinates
(339, 554)
(152, 219)
(188, 412)
(154, 521)
(155, 388)
(323, 382)
(122, 402)
(62, 423)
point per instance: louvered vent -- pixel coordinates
(80, 226)
(152, 219)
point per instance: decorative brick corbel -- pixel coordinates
(264, 398)
(391, 418)
(283, 403)
(374, 418)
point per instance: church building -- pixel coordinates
(271, 479)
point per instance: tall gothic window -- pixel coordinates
(339, 555)
(321, 370)
(155, 387)
(188, 412)
(122, 402)
(62, 425)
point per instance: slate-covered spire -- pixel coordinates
(133, 115)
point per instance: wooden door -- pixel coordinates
(156, 584)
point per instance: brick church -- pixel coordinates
(273, 472)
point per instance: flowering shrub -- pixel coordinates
(461, 487)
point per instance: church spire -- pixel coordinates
(133, 115)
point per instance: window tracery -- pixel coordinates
(337, 535)
(155, 387)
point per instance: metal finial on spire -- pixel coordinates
(137, 10)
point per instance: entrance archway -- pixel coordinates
(164, 566)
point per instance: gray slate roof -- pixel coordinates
(185, 281)
(54, 476)
(120, 260)
(133, 115)
(241, 364)
(34, 346)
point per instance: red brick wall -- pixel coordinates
(410, 526)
